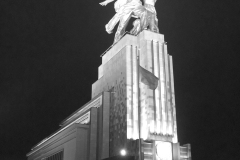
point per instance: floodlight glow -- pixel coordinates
(123, 152)
(164, 150)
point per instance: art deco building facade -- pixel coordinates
(123, 109)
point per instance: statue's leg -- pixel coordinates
(112, 23)
(122, 26)
(152, 22)
(136, 27)
(141, 12)
(156, 23)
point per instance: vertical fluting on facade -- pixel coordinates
(118, 75)
(158, 113)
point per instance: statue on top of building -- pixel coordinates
(125, 9)
(148, 21)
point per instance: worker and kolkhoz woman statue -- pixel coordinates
(125, 9)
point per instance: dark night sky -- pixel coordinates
(49, 54)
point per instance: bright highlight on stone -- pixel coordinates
(163, 150)
(123, 152)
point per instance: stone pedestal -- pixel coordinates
(118, 75)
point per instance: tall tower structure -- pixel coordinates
(118, 74)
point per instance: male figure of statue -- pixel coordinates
(148, 21)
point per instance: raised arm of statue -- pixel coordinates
(104, 3)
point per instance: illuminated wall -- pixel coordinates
(118, 74)
(158, 114)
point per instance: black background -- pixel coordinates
(49, 57)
